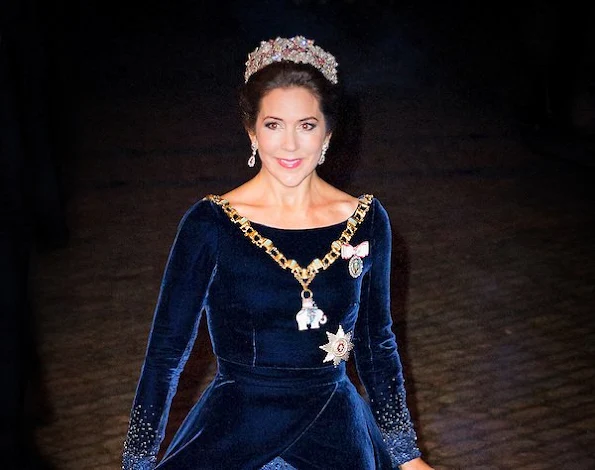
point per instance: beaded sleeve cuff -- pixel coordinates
(395, 425)
(139, 453)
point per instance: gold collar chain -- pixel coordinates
(303, 275)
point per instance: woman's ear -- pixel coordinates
(252, 136)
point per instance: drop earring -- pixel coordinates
(252, 159)
(323, 153)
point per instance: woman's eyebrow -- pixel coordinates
(301, 120)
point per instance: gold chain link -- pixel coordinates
(303, 275)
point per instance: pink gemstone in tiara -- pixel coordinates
(296, 49)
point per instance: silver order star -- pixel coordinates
(338, 347)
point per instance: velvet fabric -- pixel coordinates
(273, 402)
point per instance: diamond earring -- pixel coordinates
(323, 153)
(252, 159)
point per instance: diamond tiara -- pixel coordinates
(296, 49)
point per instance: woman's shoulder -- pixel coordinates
(379, 209)
(380, 219)
(376, 215)
(371, 204)
(201, 212)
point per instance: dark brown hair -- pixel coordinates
(286, 75)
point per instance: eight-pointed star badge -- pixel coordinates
(338, 346)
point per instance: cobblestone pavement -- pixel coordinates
(493, 288)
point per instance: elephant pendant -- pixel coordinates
(310, 316)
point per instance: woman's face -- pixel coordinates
(290, 131)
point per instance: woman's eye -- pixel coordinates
(272, 125)
(308, 126)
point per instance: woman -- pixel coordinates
(293, 276)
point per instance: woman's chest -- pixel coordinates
(293, 267)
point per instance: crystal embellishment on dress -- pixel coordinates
(139, 447)
(394, 421)
(338, 347)
(355, 254)
(297, 49)
(278, 464)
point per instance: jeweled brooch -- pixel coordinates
(355, 254)
(338, 347)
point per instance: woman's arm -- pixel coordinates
(190, 268)
(377, 358)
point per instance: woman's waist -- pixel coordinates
(283, 377)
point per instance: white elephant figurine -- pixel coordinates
(310, 315)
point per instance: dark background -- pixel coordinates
(531, 61)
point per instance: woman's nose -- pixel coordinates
(290, 141)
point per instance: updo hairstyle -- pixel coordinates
(287, 74)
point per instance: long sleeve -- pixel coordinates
(376, 355)
(190, 268)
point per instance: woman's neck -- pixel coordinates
(295, 198)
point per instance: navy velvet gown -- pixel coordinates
(274, 403)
